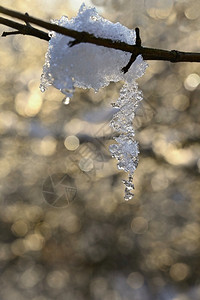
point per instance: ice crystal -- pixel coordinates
(126, 150)
(89, 66)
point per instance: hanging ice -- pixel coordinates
(89, 66)
(126, 150)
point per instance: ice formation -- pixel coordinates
(126, 150)
(89, 66)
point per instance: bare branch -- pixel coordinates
(23, 29)
(85, 37)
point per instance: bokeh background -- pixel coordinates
(86, 242)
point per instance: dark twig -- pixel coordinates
(5, 33)
(129, 64)
(73, 43)
(85, 37)
(138, 39)
(23, 29)
(27, 23)
(138, 43)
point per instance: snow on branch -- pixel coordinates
(85, 37)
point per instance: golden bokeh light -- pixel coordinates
(71, 142)
(34, 242)
(135, 280)
(57, 279)
(179, 271)
(45, 146)
(139, 225)
(181, 102)
(19, 228)
(86, 164)
(98, 287)
(28, 105)
(192, 81)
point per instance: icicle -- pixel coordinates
(126, 150)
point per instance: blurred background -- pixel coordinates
(65, 230)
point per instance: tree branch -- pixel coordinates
(23, 29)
(85, 37)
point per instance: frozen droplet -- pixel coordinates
(66, 100)
(42, 88)
(128, 196)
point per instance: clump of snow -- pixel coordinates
(86, 65)
(89, 66)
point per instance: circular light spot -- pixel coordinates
(181, 102)
(28, 104)
(72, 224)
(179, 271)
(159, 9)
(86, 164)
(139, 225)
(71, 142)
(192, 12)
(159, 182)
(192, 81)
(98, 287)
(57, 279)
(34, 242)
(135, 280)
(48, 146)
(18, 247)
(19, 228)
(31, 277)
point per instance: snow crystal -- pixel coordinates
(89, 66)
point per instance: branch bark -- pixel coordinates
(85, 37)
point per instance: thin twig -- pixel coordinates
(6, 33)
(85, 37)
(23, 29)
(138, 43)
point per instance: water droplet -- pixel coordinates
(42, 88)
(66, 100)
